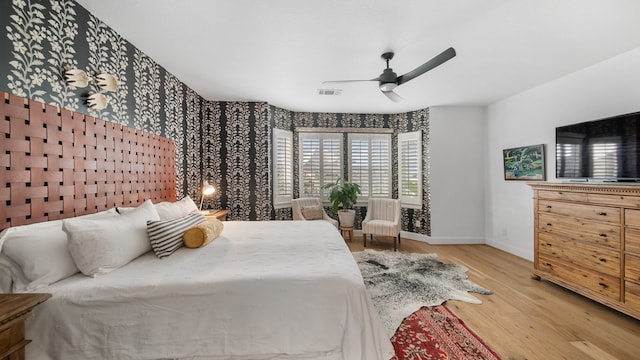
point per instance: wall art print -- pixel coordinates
(524, 163)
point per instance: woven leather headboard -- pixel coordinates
(56, 163)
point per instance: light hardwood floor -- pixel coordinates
(526, 318)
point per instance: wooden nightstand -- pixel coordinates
(218, 214)
(14, 310)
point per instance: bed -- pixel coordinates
(261, 290)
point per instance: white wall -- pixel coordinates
(457, 139)
(609, 88)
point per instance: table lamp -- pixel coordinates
(207, 189)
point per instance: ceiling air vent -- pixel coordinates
(329, 91)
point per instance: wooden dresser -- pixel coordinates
(587, 239)
(14, 310)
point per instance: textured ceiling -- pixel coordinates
(280, 51)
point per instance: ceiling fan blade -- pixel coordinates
(392, 96)
(436, 61)
(346, 81)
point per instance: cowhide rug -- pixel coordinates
(400, 283)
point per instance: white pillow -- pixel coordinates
(103, 245)
(41, 250)
(11, 277)
(171, 210)
(123, 209)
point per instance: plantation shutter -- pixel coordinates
(410, 169)
(370, 164)
(282, 168)
(320, 158)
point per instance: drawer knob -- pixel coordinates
(549, 224)
(603, 285)
(548, 206)
(603, 235)
(602, 213)
(603, 259)
(548, 244)
(560, 192)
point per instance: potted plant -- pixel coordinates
(343, 194)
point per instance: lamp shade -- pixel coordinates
(207, 189)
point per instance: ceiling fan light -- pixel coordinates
(388, 86)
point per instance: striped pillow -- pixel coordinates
(166, 235)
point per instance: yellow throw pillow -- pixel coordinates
(202, 234)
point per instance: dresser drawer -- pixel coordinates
(632, 295)
(584, 211)
(632, 267)
(589, 279)
(582, 230)
(562, 195)
(616, 200)
(632, 218)
(632, 240)
(589, 257)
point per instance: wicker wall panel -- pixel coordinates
(55, 163)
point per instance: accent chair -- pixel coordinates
(382, 219)
(313, 208)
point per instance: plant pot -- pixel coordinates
(346, 217)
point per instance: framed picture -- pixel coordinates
(524, 163)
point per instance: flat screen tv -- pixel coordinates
(600, 150)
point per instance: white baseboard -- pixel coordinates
(442, 240)
(527, 255)
(455, 240)
(414, 236)
(439, 240)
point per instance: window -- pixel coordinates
(320, 160)
(282, 168)
(410, 169)
(370, 164)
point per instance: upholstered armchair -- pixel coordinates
(383, 219)
(313, 209)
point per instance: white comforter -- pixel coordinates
(262, 290)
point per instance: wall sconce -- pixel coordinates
(105, 82)
(207, 189)
(97, 101)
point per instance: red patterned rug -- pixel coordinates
(435, 333)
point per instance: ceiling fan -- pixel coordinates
(388, 80)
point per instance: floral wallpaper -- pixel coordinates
(34, 66)
(109, 53)
(226, 143)
(212, 166)
(239, 161)
(146, 91)
(40, 39)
